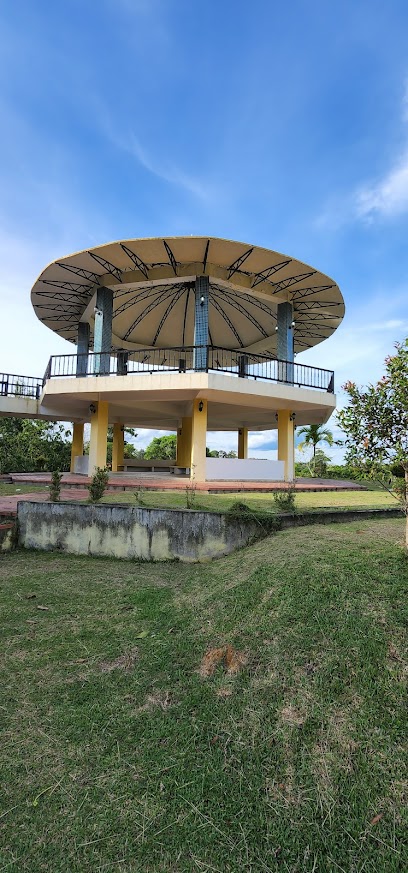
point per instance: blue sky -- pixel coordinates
(282, 125)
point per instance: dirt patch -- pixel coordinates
(157, 700)
(292, 716)
(227, 657)
(224, 692)
(124, 662)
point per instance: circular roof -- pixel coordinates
(153, 294)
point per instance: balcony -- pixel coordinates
(187, 359)
(20, 386)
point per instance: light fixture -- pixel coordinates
(200, 406)
(202, 300)
(276, 328)
(293, 324)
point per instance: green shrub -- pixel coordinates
(285, 500)
(55, 486)
(98, 484)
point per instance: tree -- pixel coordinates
(162, 448)
(130, 450)
(33, 446)
(376, 421)
(315, 434)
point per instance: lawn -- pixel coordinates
(6, 489)
(221, 502)
(122, 752)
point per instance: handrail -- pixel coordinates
(182, 359)
(12, 385)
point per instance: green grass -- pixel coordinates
(117, 755)
(6, 490)
(221, 502)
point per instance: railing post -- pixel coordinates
(242, 366)
(122, 363)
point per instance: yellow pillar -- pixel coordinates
(184, 438)
(199, 439)
(180, 448)
(77, 446)
(243, 442)
(118, 446)
(99, 433)
(286, 443)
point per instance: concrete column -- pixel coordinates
(82, 348)
(202, 295)
(77, 445)
(243, 442)
(118, 446)
(199, 439)
(99, 435)
(286, 443)
(285, 341)
(184, 442)
(103, 330)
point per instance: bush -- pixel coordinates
(55, 487)
(285, 500)
(398, 471)
(98, 484)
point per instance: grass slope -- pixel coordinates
(117, 755)
(221, 502)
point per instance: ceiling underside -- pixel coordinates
(153, 294)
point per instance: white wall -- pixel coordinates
(244, 470)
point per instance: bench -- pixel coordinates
(139, 465)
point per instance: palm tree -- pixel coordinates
(315, 434)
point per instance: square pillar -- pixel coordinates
(82, 348)
(103, 330)
(286, 443)
(118, 446)
(202, 295)
(199, 439)
(285, 341)
(99, 437)
(184, 442)
(243, 442)
(77, 445)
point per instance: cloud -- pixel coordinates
(166, 171)
(388, 196)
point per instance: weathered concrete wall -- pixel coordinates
(6, 536)
(131, 532)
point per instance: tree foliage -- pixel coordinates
(376, 420)
(32, 446)
(162, 448)
(315, 434)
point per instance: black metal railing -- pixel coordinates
(190, 359)
(19, 386)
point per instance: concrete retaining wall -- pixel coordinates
(131, 532)
(6, 536)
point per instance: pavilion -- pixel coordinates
(187, 334)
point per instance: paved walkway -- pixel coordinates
(158, 482)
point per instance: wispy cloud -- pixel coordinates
(387, 196)
(383, 197)
(165, 170)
